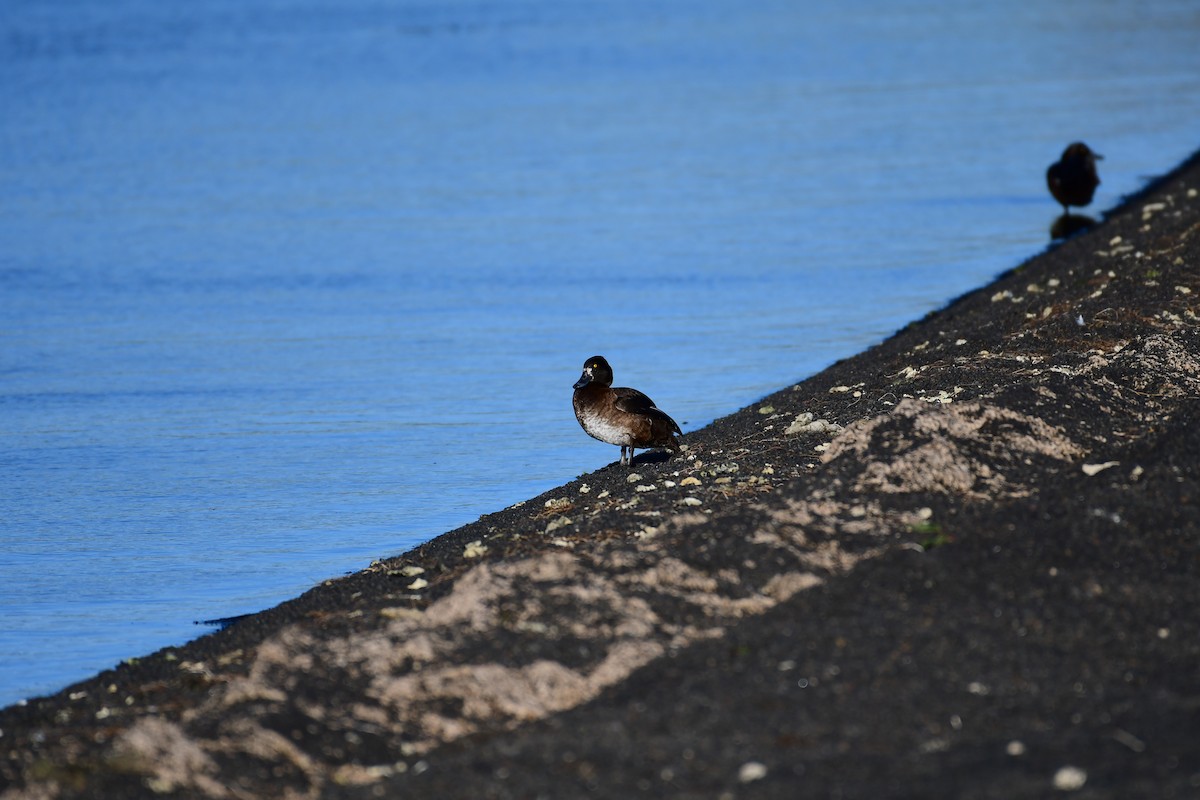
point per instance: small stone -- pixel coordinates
(669, 484)
(1095, 469)
(764, 410)
(1070, 779)
(584, 489)
(474, 550)
(752, 771)
(557, 503)
(1183, 290)
(690, 481)
(806, 423)
(633, 478)
(559, 522)
(960, 342)
(419, 583)
(641, 487)
(1015, 748)
(725, 479)
(692, 501)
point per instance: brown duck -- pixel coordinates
(620, 416)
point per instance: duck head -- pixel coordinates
(595, 370)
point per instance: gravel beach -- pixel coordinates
(965, 563)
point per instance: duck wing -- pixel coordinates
(634, 402)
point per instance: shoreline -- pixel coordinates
(960, 563)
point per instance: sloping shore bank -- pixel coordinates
(963, 563)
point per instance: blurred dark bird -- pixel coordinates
(1073, 179)
(620, 416)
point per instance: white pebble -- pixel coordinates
(752, 771)
(1070, 779)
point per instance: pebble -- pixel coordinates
(1070, 779)
(557, 523)
(752, 771)
(633, 478)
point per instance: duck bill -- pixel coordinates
(583, 381)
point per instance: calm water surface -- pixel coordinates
(287, 287)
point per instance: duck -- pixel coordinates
(621, 416)
(1072, 179)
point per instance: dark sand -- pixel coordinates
(974, 573)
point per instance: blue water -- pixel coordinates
(286, 287)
